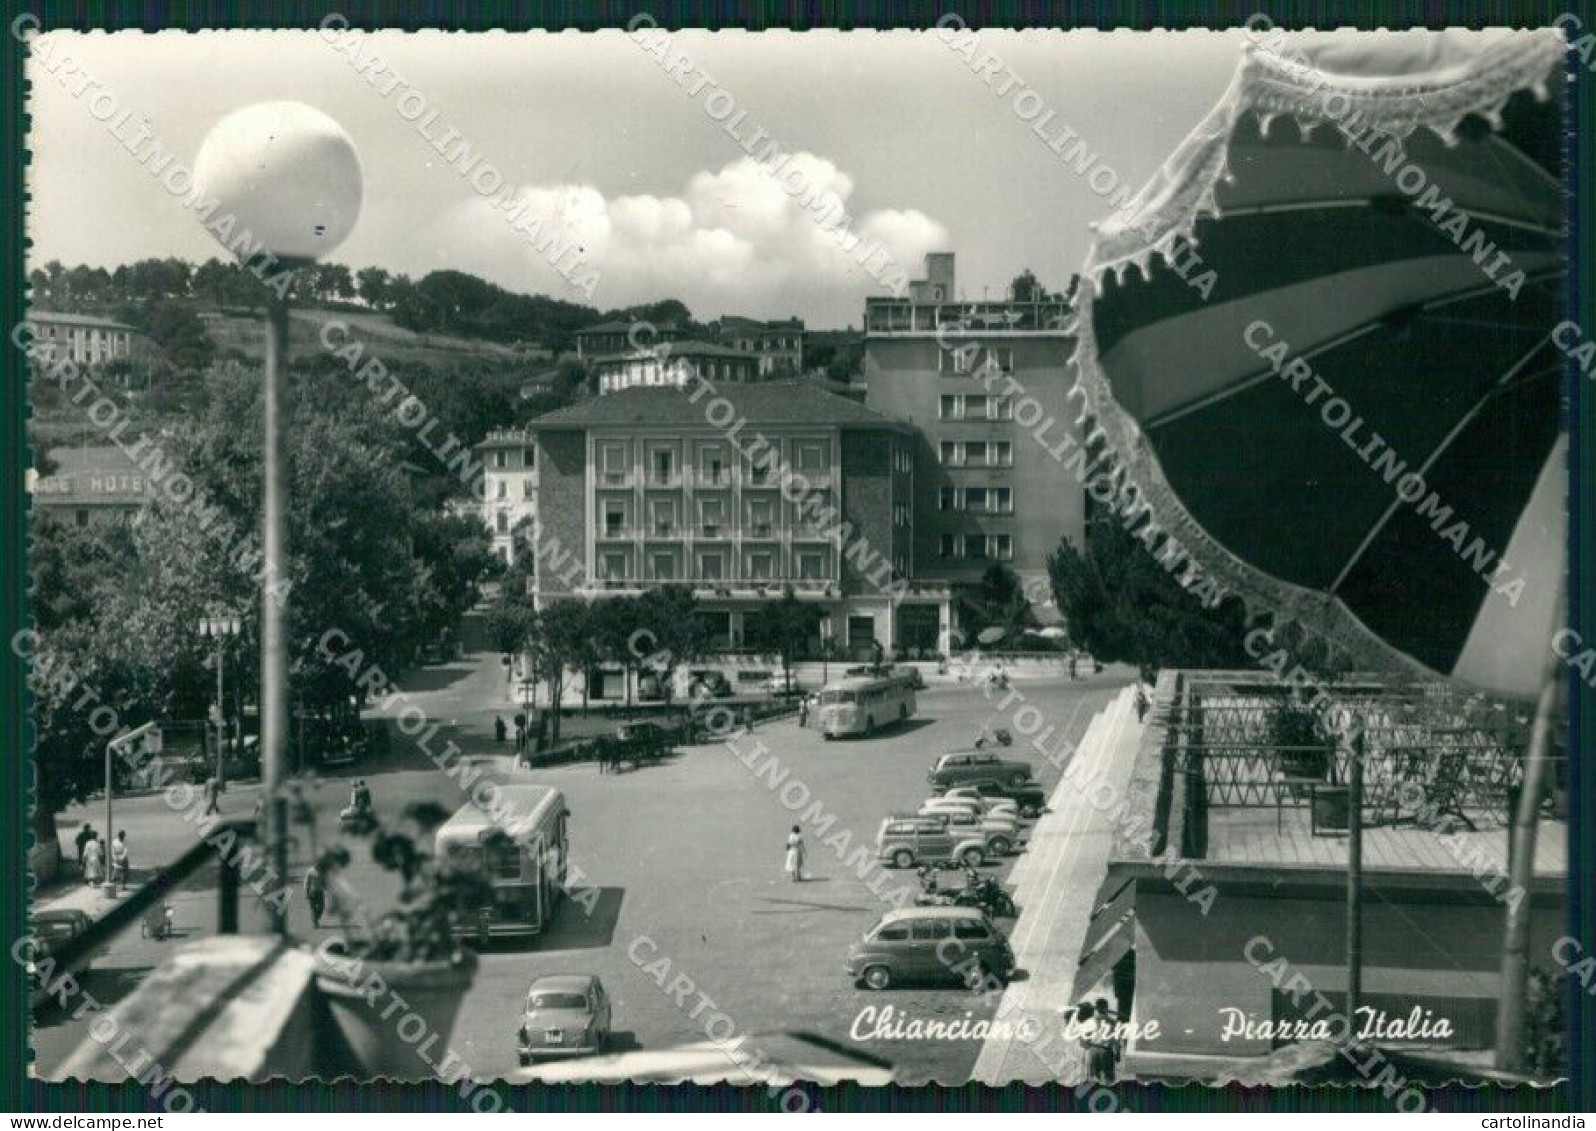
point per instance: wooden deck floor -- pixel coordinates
(1250, 836)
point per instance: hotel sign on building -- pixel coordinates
(91, 485)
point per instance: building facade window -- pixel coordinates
(501, 522)
(615, 463)
(529, 489)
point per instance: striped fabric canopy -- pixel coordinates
(1318, 345)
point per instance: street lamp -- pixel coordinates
(287, 177)
(221, 629)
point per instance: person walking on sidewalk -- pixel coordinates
(119, 859)
(498, 729)
(213, 795)
(795, 855)
(803, 712)
(93, 860)
(1141, 704)
(85, 834)
(315, 894)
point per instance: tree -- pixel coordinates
(614, 624)
(560, 641)
(373, 285)
(181, 335)
(784, 626)
(670, 631)
(1025, 288)
(998, 601)
(1122, 605)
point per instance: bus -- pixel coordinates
(862, 704)
(525, 848)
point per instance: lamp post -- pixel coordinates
(287, 177)
(221, 629)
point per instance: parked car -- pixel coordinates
(783, 684)
(1028, 796)
(991, 802)
(565, 1015)
(967, 766)
(905, 842)
(931, 944)
(911, 676)
(50, 930)
(999, 834)
(971, 807)
(643, 740)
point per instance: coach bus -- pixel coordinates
(523, 844)
(863, 704)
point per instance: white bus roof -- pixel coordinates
(526, 808)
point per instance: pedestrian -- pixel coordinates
(1072, 667)
(498, 729)
(315, 894)
(1108, 1021)
(795, 855)
(1141, 704)
(748, 719)
(119, 859)
(362, 795)
(213, 791)
(520, 731)
(85, 834)
(92, 861)
(803, 712)
(1099, 1053)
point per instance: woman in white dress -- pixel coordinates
(795, 855)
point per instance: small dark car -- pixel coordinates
(931, 944)
(966, 766)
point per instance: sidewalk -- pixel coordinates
(1056, 886)
(156, 836)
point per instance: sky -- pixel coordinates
(924, 154)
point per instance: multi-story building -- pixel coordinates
(91, 485)
(738, 495)
(985, 384)
(86, 339)
(510, 483)
(779, 346)
(619, 336)
(673, 365)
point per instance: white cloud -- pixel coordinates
(735, 240)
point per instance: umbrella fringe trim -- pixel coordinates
(1160, 222)
(1163, 216)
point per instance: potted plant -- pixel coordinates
(412, 947)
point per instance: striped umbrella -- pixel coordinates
(1322, 356)
(1319, 344)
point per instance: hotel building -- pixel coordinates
(510, 486)
(985, 384)
(739, 494)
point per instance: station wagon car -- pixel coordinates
(965, 766)
(565, 1015)
(931, 944)
(999, 834)
(904, 842)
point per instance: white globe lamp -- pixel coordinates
(288, 176)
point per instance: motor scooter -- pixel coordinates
(158, 921)
(357, 818)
